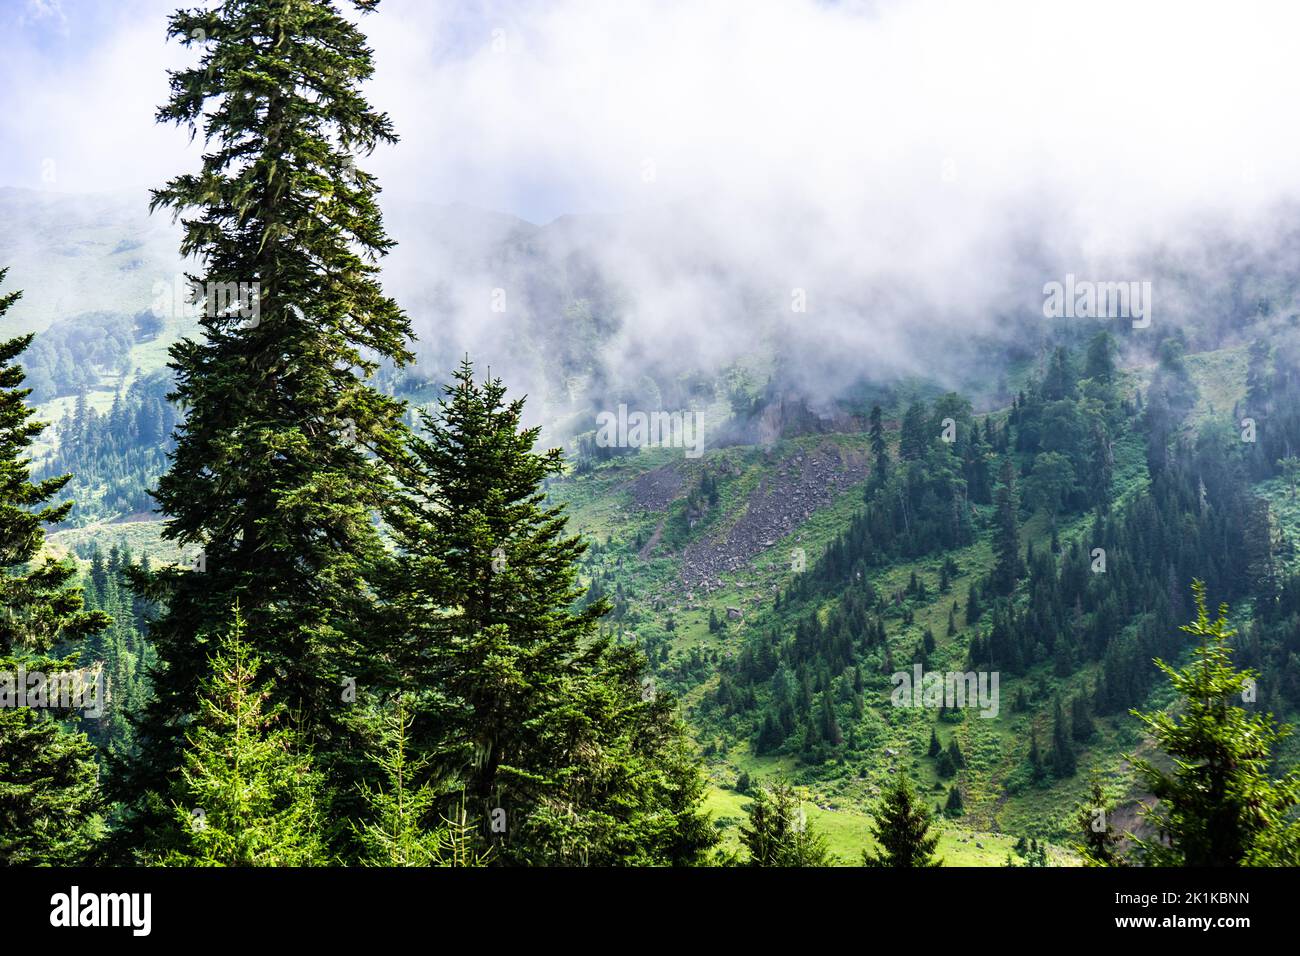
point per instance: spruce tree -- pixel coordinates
(1218, 805)
(777, 831)
(1100, 843)
(1081, 725)
(830, 725)
(1006, 539)
(1063, 759)
(1100, 361)
(914, 434)
(955, 754)
(902, 830)
(49, 783)
(944, 766)
(519, 696)
(249, 794)
(879, 450)
(49, 791)
(973, 610)
(405, 824)
(1035, 756)
(954, 806)
(279, 465)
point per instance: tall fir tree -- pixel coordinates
(279, 465)
(879, 450)
(1082, 727)
(1063, 759)
(1218, 805)
(519, 696)
(954, 752)
(1006, 540)
(914, 433)
(901, 827)
(954, 807)
(49, 782)
(1099, 363)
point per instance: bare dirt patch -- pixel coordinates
(801, 484)
(657, 489)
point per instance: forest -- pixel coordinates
(344, 614)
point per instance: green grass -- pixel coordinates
(995, 748)
(1220, 378)
(848, 833)
(601, 508)
(142, 537)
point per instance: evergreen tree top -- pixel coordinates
(1218, 805)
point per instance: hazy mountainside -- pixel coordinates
(777, 582)
(653, 307)
(868, 470)
(782, 644)
(83, 253)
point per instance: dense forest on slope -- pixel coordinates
(351, 608)
(977, 553)
(1049, 542)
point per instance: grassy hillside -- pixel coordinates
(650, 546)
(674, 560)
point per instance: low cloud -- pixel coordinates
(915, 171)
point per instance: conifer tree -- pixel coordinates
(249, 794)
(1100, 361)
(830, 725)
(955, 754)
(944, 766)
(954, 806)
(973, 610)
(1218, 806)
(777, 832)
(1100, 843)
(278, 466)
(49, 783)
(1035, 755)
(543, 718)
(902, 830)
(1081, 725)
(405, 825)
(914, 434)
(1063, 759)
(879, 450)
(1006, 541)
(49, 791)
